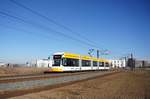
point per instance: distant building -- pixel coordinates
(44, 63)
(2, 64)
(141, 64)
(120, 63)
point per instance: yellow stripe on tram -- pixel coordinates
(56, 70)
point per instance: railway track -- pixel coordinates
(19, 88)
(21, 78)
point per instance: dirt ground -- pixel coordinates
(9, 71)
(124, 85)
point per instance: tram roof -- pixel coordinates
(78, 56)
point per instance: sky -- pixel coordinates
(120, 26)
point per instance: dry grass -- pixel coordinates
(125, 85)
(4, 71)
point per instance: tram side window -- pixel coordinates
(94, 63)
(107, 64)
(86, 63)
(70, 62)
(101, 64)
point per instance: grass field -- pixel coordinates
(5, 71)
(124, 85)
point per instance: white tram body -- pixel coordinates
(64, 61)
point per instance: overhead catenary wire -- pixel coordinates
(54, 22)
(46, 28)
(26, 31)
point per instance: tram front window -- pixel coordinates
(57, 60)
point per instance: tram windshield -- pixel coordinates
(57, 60)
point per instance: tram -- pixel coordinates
(64, 61)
